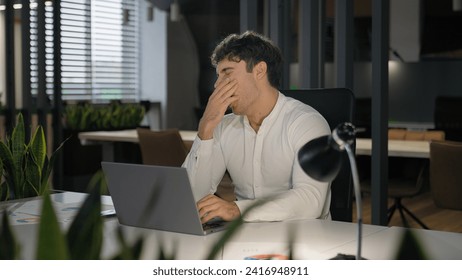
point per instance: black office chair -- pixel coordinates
(402, 182)
(448, 116)
(337, 106)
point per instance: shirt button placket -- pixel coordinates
(257, 165)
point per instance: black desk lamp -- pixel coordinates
(321, 159)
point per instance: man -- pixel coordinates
(258, 142)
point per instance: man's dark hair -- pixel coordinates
(252, 48)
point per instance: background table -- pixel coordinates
(108, 138)
(396, 148)
(129, 135)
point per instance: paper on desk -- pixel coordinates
(29, 212)
(65, 204)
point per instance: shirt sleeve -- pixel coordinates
(204, 164)
(307, 198)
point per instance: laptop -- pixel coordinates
(155, 197)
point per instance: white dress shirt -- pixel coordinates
(263, 164)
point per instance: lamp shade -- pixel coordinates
(320, 160)
(321, 157)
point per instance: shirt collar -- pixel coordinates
(268, 121)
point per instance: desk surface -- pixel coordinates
(398, 148)
(383, 245)
(129, 135)
(312, 239)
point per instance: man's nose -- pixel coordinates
(218, 81)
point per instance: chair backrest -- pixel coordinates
(448, 116)
(445, 174)
(164, 147)
(337, 106)
(363, 117)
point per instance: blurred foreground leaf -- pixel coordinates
(410, 247)
(9, 249)
(85, 235)
(51, 243)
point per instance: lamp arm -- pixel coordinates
(357, 189)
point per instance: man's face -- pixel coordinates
(246, 84)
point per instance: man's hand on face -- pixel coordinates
(221, 98)
(212, 206)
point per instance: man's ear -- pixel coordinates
(260, 70)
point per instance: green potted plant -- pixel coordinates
(113, 116)
(85, 116)
(24, 167)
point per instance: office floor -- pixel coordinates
(424, 208)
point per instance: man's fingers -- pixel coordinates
(224, 89)
(205, 198)
(209, 207)
(212, 206)
(203, 205)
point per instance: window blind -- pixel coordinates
(99, 50)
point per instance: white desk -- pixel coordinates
(108, 138)
(396, 148)
(129, 135)
(412, 125)
(312, 239)
(383, 245)
(25, 215)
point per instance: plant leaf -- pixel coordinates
(9, 167)
(18, 150)
(51, 242)
(410, 247)
(32, 174)
(48, 167)
(85, 235)
(9, 249)
(1, 184)
(1, 168)
(127, 252)
(38, 147)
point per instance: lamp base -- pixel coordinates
(341, 256)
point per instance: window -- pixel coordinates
(99, 47)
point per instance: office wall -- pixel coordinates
(153, 62)
(413, 87)
(183, 76)
(169, 69)
(17, 61)
(405, 25)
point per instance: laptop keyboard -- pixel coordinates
(213, 225)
